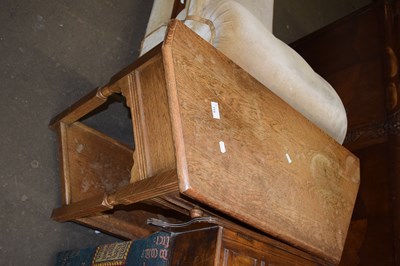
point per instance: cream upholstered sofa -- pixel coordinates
(241, 29)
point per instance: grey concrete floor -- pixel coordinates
(51, 54)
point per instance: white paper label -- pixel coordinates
(288, 158)
(222, 147)
(215, 110)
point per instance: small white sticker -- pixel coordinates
(215, 110)
(288, 158)
(222, 146)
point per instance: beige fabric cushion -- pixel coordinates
(245, 40)
(261, 9)
(162, 9)
(160, 14)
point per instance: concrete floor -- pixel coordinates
(52, 53)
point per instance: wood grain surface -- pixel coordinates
(277, 172)
(151, 120)
(94, 163)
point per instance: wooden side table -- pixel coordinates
(206, 134)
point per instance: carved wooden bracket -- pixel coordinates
(375, 133)
(368, 135)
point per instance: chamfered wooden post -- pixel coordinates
(145, 189)
(85, 105)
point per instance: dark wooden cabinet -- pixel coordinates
(359, 56)
(226, 244)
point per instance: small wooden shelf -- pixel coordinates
(87, 159)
